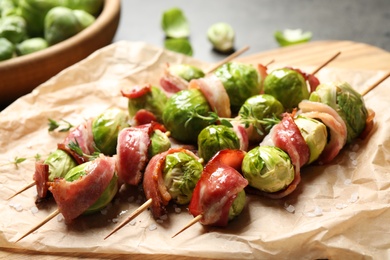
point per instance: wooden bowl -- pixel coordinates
(20, 75)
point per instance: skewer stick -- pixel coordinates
(375, 84)
(189, 224)
(132, 216)
(227, 59)
(47, 219)
(326, 63)
(23, 189)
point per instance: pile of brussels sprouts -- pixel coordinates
(27, 26)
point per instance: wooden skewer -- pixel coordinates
(23, 189)
(376, 84)
(47, 219)
(189, 224)
(228, 58)
(132, 216)
(326, 63)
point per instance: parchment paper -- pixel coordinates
(339, 211)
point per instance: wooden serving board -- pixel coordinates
(353, 56)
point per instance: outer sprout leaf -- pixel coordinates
(181, 45)
(290, 37)
(175, 24)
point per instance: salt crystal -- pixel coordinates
(178, 210)
(60, 217)
(17, 206)
(115, 220)
(318, 211)
(352, 155)
(354, 162)
(355, 147)
(289, 208)
(341, 205)
(152, 227)
(104, 211)
(132, 223)
(348, 182)
(354, 197)
(160, 221)
(164, 217)
(34, 210)
(131, 199)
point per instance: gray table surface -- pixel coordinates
(255, 21)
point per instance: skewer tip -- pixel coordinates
(21, 190)
(189, 224)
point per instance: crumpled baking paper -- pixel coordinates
(339, 211)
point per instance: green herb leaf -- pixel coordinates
(53, 125)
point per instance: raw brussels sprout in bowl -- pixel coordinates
(44, 63)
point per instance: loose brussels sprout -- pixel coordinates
(181, 173)
(221, 36)
(214, 138)
(13, 28)
(6, 49)
(291, 37)
(60, 163)
(240, 80)
(31, 45)
(60, 24)
(177, 115)
(260, 107)
(153, 101)
(159, 142)
(315, 134)
(85, 19)
(238, 205)
(186, 72)
(105, 129)
(268, 168)
(175, 24)
(107, 195)
(286, 85)
(348, 103)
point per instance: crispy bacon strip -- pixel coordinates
(144, 116)
(336, 125)
(41, 177)
(73, 198)
(153, 183)
(136, 91)
(310, 78)
(172, 83)
(217, 188)
(215, 93)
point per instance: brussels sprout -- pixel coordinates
(181, 173)
(214, 138)
(178, 112)
(105, 129)
(31, 45)
(60, 163)
(6, 49)
(60, 24)
(92, 7)
(153, 101)
(240, 80)
(268, 168)
(175, 24)
(7, 7)
(221, 36)
(315, 134)
(238, 205)
(348, 103)
(107, 195)
(258, 109)
(286, 85)
(159, 142)
(181, 45)
(186, 72)
(291, 37)
(85, 19)
(13, 28)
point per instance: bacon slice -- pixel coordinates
(312, 80)
(82, 135)
(144, 116)
(336, 125)
(286, 136)
(153, 183)
(217, 188)
(242, 134)
(41, 177)
(215, 93)
(136, 91)
(172, 83)
(73, 198)
(132, 153)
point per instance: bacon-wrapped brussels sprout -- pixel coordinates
(60, 163)
(348, 103)
(286, 85)
(159, 142)
(186, 71)
(268, 168)
(214, 138)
